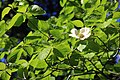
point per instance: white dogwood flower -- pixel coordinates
(82, 34)
(74, 33)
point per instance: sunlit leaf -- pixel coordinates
(5, 76)
(62, 2)
(44, 53)
(5, 11)
(81, 47)
(13, 20)
(78, 23)
(29, 50)
(2, 66)
(22, 8)
(2, 27)
(57, 33)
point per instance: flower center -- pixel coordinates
(80, 35)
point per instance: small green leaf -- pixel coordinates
(33, 23)
(78, 23)
(103, 2)
(89, 55)
(2, 27)
(36, 10)
(116, 15)
(44, 53)
(19, 54)
(5, 76)
(99, 65)
(13, 20)
(2, 66)
(29, 50)
(22, 72)
(62, 2)
(67, 10)
(47, 72)
(97, 3)
(63, 48)
(21, 61)
(36, 63)
(43, 25)
(81, 47)
(20, 20)
(57, 33)
(93, 46)
(13, 55)
(5, 11)
(106, 23)
(22, 8)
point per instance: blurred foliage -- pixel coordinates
(47, 52)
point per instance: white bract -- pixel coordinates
(21, 3)
(82, 34)
(81, 1)
(35, 7)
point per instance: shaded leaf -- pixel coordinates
(36, 10)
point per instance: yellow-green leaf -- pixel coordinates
(78, 23)
(2, 66)
(5, 11)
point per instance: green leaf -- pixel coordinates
(103, 2)
(93, 46)
(57, 33)
(44, 53)
(67, 10)
(36, 10)
(74, 59)
(78, 23)
(63, 48)
(22, 72)
(2, 66)
(99, 65)
(36, 63)
(47, 72)
(97, 3)
(13, 55)
(5, 76)
(19, 54)
(106, 23)
(81, 47)
(33, 23)
(43, 25)
(57, 53)
(116, 15)
(89, 55)
(29, 50)
(63, 2)
(2, 27)
(23, 8)
(113, 36)
(101, 34)
(48, 78)
(21, 61)
(5, 11)
(20, 20)
(13, 20)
